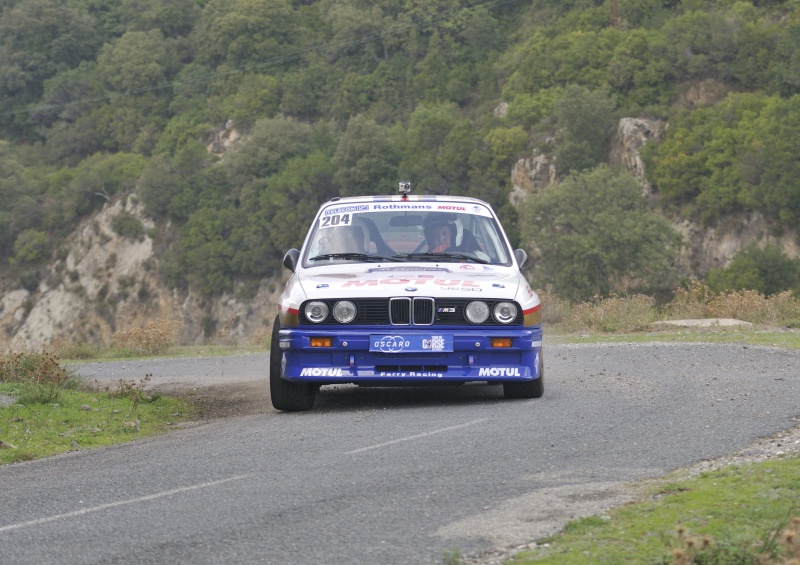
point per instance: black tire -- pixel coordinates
(529, 389)
(285, 395)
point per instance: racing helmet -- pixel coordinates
(444, 218)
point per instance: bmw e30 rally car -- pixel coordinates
(405, 290)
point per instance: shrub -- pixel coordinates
(697, 300)
(154, 339)
(40, 375)
(126, 225)
(613, 314)
(768, 270)
(555, 310)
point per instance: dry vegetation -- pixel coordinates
(638, 312)
(154, 339)
(785, 544)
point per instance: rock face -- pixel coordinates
(706, 248)
(632, 135)
(224, 138)
(108, 282)
(715, 247)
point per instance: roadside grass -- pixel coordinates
(737, 515)
(45, 410)
(740, 514)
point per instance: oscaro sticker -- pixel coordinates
(390, 344)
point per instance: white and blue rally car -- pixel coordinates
(405, 290)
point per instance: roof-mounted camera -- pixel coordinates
(404, 187)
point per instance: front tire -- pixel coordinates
(285, 395)
(528, 389)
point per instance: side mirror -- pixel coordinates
(291, 258)
(519, 255)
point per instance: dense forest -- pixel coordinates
(101, 98)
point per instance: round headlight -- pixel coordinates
(477, 311)
(344, 311)
(505, 312)
(316, 311)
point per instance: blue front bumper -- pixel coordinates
(349, 359)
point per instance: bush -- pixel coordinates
(697, 300)
(154, 339)
(613, 314)
(40, 375)
(126, 225)
(767, 270)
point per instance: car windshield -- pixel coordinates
(418, 231)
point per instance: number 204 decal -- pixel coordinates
(335, 220)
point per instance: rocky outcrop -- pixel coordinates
(632, 135)
(714, 247)
(224, 139)
(531, 175)
(109, 282)
(705, 247)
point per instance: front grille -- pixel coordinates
(400, 311)
(405, 311)
(423, 311)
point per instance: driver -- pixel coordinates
(441, 232)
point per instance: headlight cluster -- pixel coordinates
(477, 312)
(317, 311)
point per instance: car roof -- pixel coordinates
(406, 198)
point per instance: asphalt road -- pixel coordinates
(376, 475)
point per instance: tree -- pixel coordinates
(206, 251)
(596, 236)
(365, 160)
(173, 17)
(30, 247)
(271, 143)
(428, 128)
(247, 32)
(74, 193)
(20, 202)
(766, 269)
(587, 120)
(137, 61)
(39, 37)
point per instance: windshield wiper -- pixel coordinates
(440, 256)
(353, 257)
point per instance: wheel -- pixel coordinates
(285, 395)
(530, 389)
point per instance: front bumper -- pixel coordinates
(349, 360)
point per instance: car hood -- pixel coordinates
(422, 279)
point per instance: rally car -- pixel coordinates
(405, 290)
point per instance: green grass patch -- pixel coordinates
(174, 352)
(75, 419)
(735, 515)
